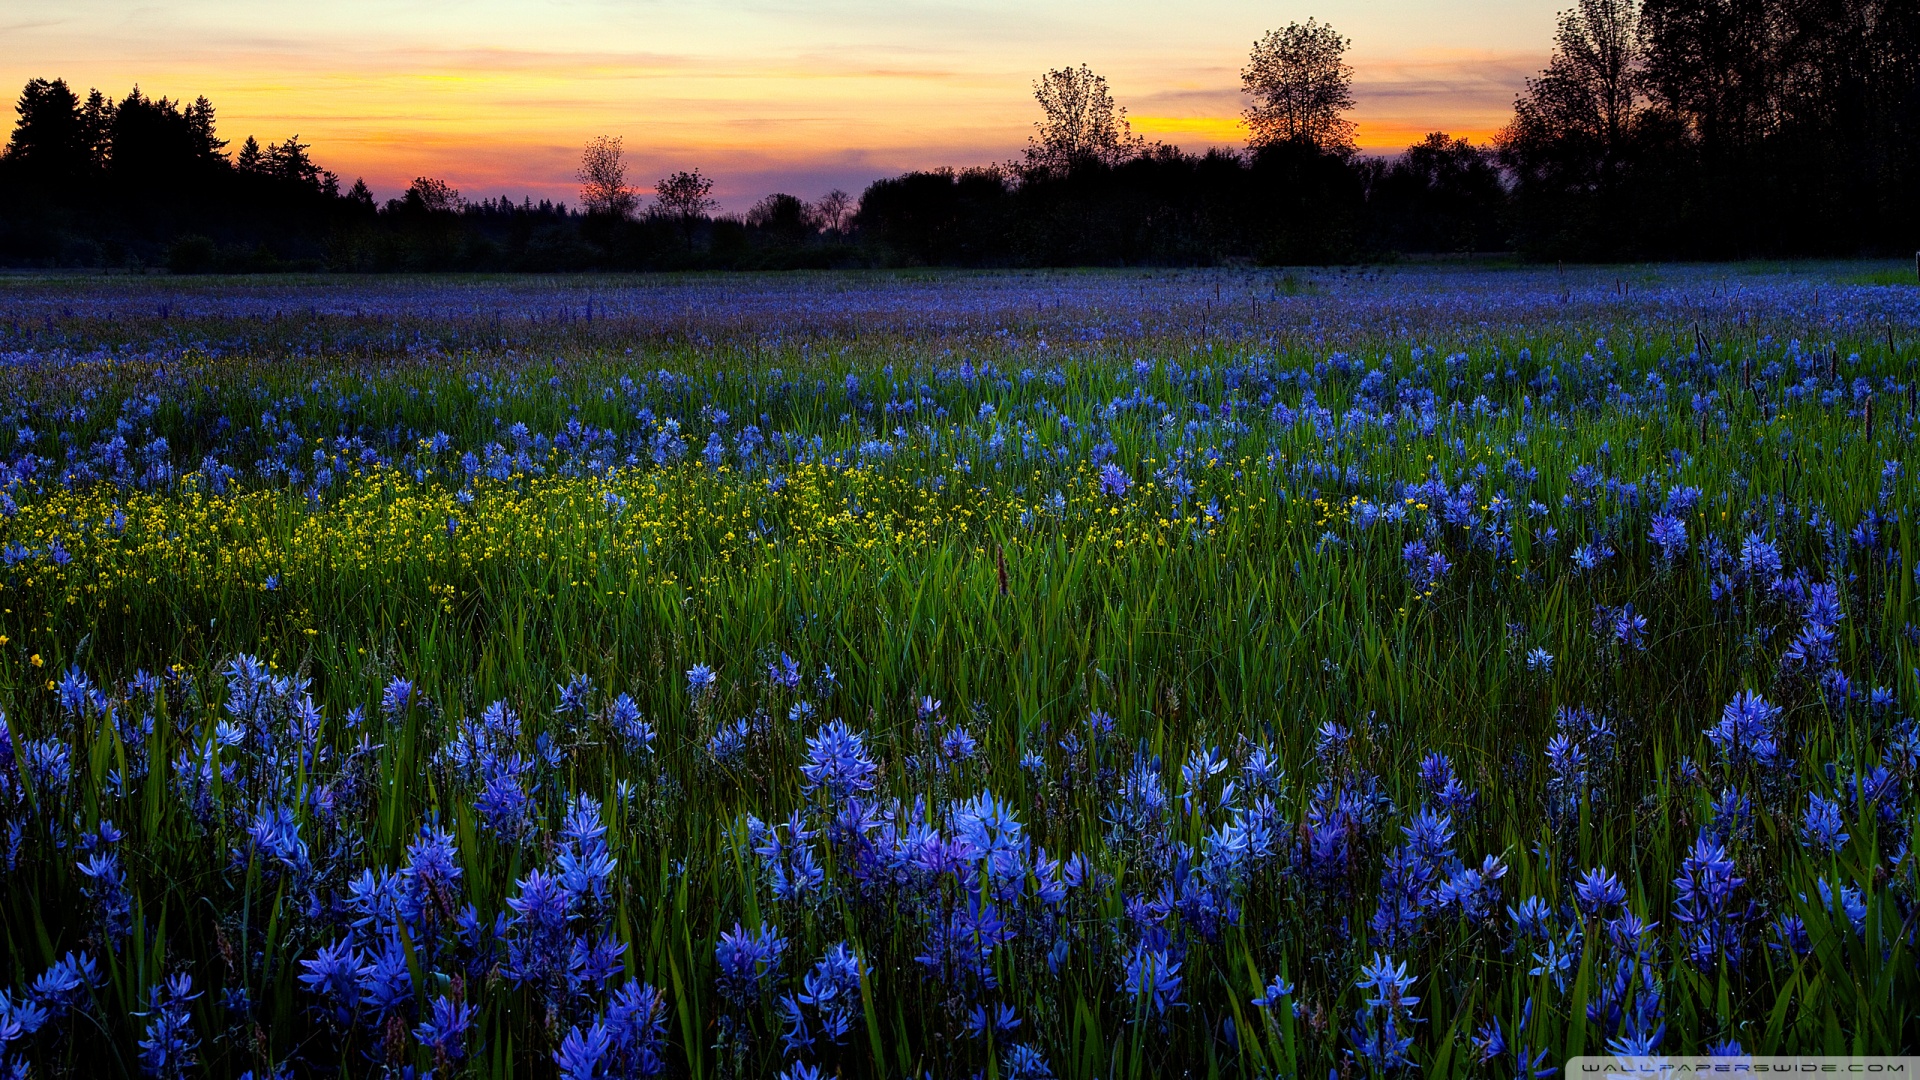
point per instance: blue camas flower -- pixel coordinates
(576, 695)
(333, 974)
(837, 761)
(1383, 1028)
(397, 698)
(538, 944)
(634, 734)
(167, 1045)
(1704, 905)
(1278, 994)
(445, 1030)
(584, 1052)
(66, 985)
(1747, 735)
(1821, 828)
(824, 1008)
(1670, 533)
(1598, 891)
(748, 963)
(1152, 981)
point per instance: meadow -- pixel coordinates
(1411, 670)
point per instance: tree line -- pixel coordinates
(1658, 129)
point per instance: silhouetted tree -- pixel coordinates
(603, 179)
(1079, 124)
(251, 159)
(1570, 142)
(1443, 195)
(784, 216)
(683, 196)
(834, 212)
(160, 150)
(205, 144)
(1715, 65)
(1721, 127)
(290, 162)
(1657, 128)
(96, 124)
(941, 216)
(1712, 76)
(1848, 141)
(427, 195)
(50, 142)
(284, 162)
(1302, 86)
(1591, 87)
(1308, 204)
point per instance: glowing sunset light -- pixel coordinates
(498, 98)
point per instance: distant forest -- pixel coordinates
(1659, 129)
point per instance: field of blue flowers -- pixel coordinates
(1438, 671)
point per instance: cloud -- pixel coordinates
(27, 26)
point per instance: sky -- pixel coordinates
(498, 97)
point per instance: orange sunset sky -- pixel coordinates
(497, 96)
